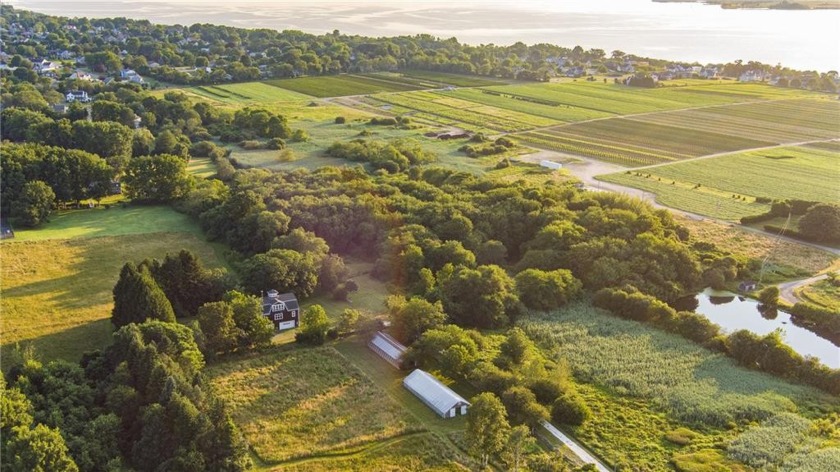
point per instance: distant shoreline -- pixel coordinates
(764, 4)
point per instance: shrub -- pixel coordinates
(251, 145)
(275, 143)
(340, 120)
(570, 409)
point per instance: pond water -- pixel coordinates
(732, 313)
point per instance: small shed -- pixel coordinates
(551, 164)
(6, 231)
(437, 396)
(747, 286)
(387, 348)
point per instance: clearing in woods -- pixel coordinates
(57, 280)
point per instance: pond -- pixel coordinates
(733, 312)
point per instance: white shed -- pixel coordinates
(388, 348)
(551, 164)
(437, 396)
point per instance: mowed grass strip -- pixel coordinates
(57, 294)
(339, 85)
(305, 402)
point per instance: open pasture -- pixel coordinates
(57, 289)
(306, 402)
(707, 186)
(556, 112)
(340, 85)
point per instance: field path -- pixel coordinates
(786, 290)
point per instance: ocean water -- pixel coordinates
(805, 40)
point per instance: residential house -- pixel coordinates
(77, 95)
(79, 75)
(282, 309)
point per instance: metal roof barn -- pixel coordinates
(437, 396)
(388, 348)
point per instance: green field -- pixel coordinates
(439, 79)
(802, 173)
(693, 387)
(249, 93)
(202, 167)
(448, 110)
(340, 85)
(57, 281)
(306, 402)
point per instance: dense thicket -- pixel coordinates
(140, 404)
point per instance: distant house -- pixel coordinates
(77, 96)
(60, 108)
(137, 122)
(747, 286)
(282, 309)
(437, 396)
(79, 75)
(46, 67)
(387, 348)
(127, 73)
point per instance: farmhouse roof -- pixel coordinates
(288, 299)
(432, 392)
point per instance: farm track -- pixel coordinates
(345, 454)
(787, 289)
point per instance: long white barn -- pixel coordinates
(437, 396)
(388, 348)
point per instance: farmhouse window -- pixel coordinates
(276, 307)
(278, 316)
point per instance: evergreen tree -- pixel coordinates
(137, 297)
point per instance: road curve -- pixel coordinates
(786, 289)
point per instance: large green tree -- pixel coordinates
(487, 427)
(483, 298)
(821, 223)
(34, 204)
(541, 290)
(137, 297)
(411, 318)
(156, 178)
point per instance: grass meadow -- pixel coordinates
(306, 402)
(726, 187)
(57, 280)
(202, 167)
(823, 293)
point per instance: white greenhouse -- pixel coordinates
(437, 396)
(388, 348)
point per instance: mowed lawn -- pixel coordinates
(57, 281)
(726, 187)
(306, 402)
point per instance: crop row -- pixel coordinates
(765, 130)
(624, 157)
(670, 140)
(424, 102)
(822, 115)
(442, 78)
(563, 113)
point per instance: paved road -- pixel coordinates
(582, 453)
(786, 289)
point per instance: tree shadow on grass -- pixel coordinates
(67, 345)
